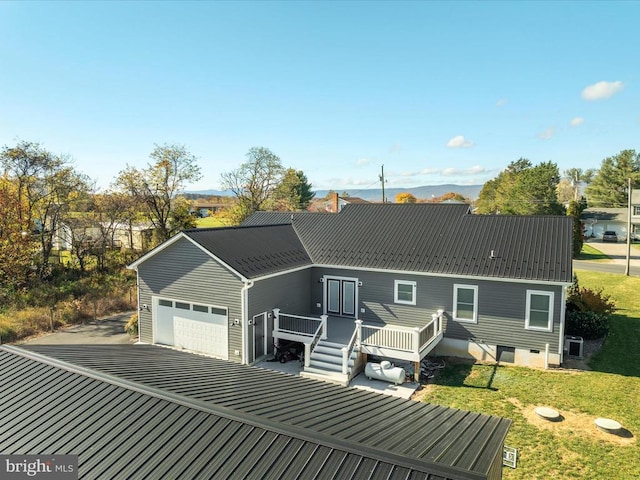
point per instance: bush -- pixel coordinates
(588, 325)
(132, 325)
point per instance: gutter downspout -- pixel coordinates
(563, 307)
(244, 315)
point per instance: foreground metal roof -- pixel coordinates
(422, 440)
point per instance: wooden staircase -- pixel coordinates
(325, 364)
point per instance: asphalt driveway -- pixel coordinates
(109, 330)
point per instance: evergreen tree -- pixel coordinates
(609, 186)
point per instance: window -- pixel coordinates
(165, 303)
(539, 314)
(405, 292)
(183, 306)
(200, 308)
(636, 210)
(465, 303)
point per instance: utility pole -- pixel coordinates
(382, 180)
(627, 267)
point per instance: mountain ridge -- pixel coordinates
(375, 194)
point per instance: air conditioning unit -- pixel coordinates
(573, 346)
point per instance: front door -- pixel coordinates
(259, 340)
(341, 296)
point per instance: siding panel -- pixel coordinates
(185, 272)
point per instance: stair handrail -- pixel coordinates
(309, 347)
(347, 350)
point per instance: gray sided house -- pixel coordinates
(399, 281)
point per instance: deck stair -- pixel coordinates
(325, 363)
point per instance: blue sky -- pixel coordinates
(438, 93)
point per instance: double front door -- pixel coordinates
(341, 296)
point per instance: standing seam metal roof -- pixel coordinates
(418, 432)
(424, 238)
(121, 429)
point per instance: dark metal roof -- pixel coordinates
(442, 440)
(277, 218)
(122, 430)
(253, 251)
(426, 238)
(441, 238)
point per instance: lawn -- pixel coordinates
(573, 447)
(590, 253)
(208, 222)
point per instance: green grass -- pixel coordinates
(573, 448)
(590, 253)
(208, 222)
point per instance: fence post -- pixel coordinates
(416, 340)
(323, 319)
(307, 355)
(276, 319)
(345, 360)
(440, 314)
(358, 332)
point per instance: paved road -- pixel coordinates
(618, 254)
(104, 331)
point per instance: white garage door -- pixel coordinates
(194, 327)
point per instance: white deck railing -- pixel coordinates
(393, 341)
(299, 326)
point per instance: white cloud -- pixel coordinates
(362, 161)
(546, 134)
(501, 103)
(576, 121)
(601, 90)
(429, 171)
(459, 142)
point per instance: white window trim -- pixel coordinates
(457, 286)
(413, 286)
(528, 311)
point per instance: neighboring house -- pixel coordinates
(596, 221)
(635, 214)
(388, 280)
(133, 236)
(140, 411)
(336, 203)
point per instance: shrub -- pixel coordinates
(588, 325)
(132, 325)
(587, 300)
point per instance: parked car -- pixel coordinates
(610, 236)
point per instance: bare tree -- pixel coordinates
(254, 181)
(156, 187)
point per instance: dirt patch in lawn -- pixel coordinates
(575, 424)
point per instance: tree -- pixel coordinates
(16, 245)
(609, 185)
(576, 176)
(405, 197)
(574, 210)
(156, 187)
(522, 189)
(46, 184)
(292, 194)
(253, 182)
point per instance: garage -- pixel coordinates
(191, 326)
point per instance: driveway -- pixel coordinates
(109, 330)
